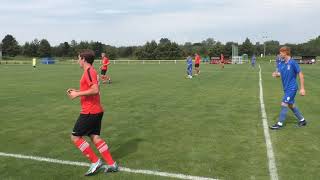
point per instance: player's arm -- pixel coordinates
(302, 90)
(105, 65)
(93, 90)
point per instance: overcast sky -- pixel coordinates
(133, 22)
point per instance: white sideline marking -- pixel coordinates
(136, 171)
(272, 161)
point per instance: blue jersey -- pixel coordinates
(289, 72)
(253, 59)
(189, 61)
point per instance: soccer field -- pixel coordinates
(155, 119)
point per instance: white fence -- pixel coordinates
(131, 61)
(100, 62)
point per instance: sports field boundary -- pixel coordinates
(270, 153)
(122, 169)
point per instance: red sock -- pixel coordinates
(86, 150)
(103, 149)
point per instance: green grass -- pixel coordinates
(156, 119)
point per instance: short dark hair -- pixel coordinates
(88, 55)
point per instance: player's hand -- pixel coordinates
(70, 89)
(73, 94)
(302, 92)
(275, 74)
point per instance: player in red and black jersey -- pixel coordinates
(89, 121)
(104, 69)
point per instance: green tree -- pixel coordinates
(44, 48)
(272, 47)
(10, 46)
(97, 47)
(66, 49)
(246, 47)
(111, 52)
(34, 48)
(228, 48)
(217, 50)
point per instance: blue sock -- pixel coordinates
(297, 113)
(283, 114)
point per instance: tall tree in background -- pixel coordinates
(10, 46)
(44, 48)
(246, 47)
(272, 47)
(97, 47)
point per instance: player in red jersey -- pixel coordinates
(89, 121)
(222, 61)
(104, 69)
(197, 64)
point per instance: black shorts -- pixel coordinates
(196, 65)
(88, 124)
(103, 72)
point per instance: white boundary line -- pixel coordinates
(271, 159)
(136, 171)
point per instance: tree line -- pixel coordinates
(165, 49)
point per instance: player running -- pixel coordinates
(197, 64)
(222, 61)
(89, 121)
(189, 67)
(288, 69)
(104, 68)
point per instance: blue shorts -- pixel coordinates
(289, 96)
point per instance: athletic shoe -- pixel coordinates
(112, 168)
(302, 123)
(276, 127)
(94, 168)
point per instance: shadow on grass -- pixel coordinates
(127, 148)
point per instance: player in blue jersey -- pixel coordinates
(288, 69)
(253, 61)
(189, 67)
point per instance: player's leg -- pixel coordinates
(108, 78)
(288, 99)
(297, 113)
(103, 148)
(103, 76)
(189, 72)
(196, 69)
(282, 117)
(80, 129)
(100, 144)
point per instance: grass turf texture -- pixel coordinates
(156, 119)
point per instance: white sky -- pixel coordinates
(133, 22)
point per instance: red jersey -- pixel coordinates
(89, 104)
(105, 61)
(222, 58)
(197, 59)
